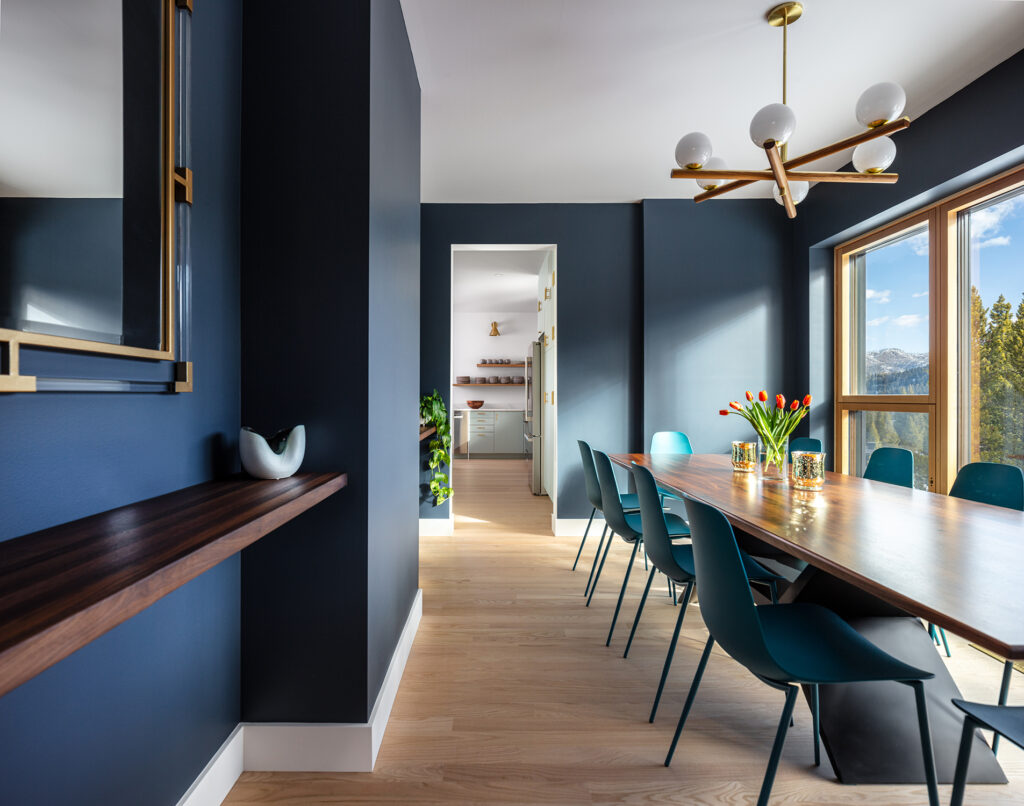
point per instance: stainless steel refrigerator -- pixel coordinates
(533, 413)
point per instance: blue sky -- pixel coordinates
(896, 311)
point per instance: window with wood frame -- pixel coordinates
(929, 335)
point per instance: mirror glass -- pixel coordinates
(82, 170)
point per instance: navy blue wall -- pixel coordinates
(714, 314)
(944, 151)
(599, 297)
(134, 716)
(330, 305)
(394, 329)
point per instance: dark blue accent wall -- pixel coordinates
(714, 314)
(394, 329)
(134, 716)
(599, 297)
(958, 143)
(330, 302)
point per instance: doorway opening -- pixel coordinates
(504, 369)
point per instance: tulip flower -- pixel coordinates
(736, 406)
(762, 395)
(750, 396)
(780, 402)
(724, 412)
(807, 400)
(794, 405)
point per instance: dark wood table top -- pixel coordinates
(63, 587)
(955, 563)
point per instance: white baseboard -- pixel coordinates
(340, 747)
(575, 527)
(219, 775)
(306, 747)
(437, 527)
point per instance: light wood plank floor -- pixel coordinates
(510, 695)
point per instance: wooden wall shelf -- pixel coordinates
(502, 385)
(63, 587)
(426, 431)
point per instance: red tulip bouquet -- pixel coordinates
(773, 424)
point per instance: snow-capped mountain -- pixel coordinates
(892, 360)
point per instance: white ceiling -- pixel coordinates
(584, 100)
(60, 98)
(496, 280)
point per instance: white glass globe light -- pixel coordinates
(797, 189)
(693, 150)
(880, 103)
(716, 164)
(874, 156)
(773, 122)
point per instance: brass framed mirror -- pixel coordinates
(95, 196)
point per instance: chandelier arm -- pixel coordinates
(812, 156)
(793, 176)
(775, 160)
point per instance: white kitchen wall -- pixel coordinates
(471, 343)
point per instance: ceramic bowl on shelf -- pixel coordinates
(493, 379)
(519, 379)
(506, 379)
(480, 379)
(462, 379)
(474, 404)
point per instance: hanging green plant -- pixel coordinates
(434, 412)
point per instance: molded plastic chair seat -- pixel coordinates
(677, 527)
(629, 502)
(785, 646)
(891, 465)
(670, 442)
(804, 444)
(1005, 720)
(683, 555)
(811, 644)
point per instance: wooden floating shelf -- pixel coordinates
(426, 431)
(65, 586)
(491, 366)
(488, 384)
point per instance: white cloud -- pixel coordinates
(919, 243)
(986, 223)
(881, 297)
(881, 320)
(909, 320)
(999, 240)
(920, 294)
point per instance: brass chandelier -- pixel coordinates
(879, 109)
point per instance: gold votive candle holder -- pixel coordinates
(808, 470)
(744, 456)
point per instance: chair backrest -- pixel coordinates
(590, 475)
(804, 444)
(670, 442)
(891, 465)
(652, 516)
(990, 483)
(726, 603)
(611, 504)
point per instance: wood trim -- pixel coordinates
(426, 431)
(66, 586)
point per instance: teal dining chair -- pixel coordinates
(804, 444)
(670, 442)
(1001, 486)
(896, 466)
(787, 645)
(626, 526)
(676, 562)
(891, 465)
(1003, 720)
(593, 487)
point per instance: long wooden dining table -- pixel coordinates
(882, 557)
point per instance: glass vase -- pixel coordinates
(773, 458)
(808, 469)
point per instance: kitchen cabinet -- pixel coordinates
(496, 432)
